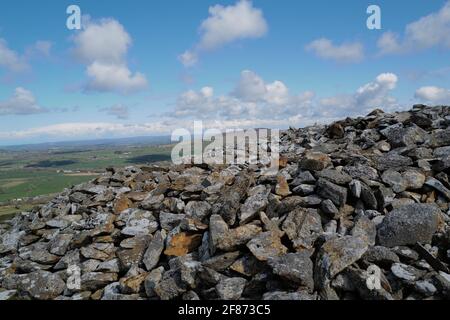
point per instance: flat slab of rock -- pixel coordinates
(337, 254)
(266, 245)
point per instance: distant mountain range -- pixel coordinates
(144, 140)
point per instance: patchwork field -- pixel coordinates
(26, 173)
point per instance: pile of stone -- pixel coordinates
(358, 210)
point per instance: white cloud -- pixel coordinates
(118, 110)
(252, 87)
(255, 99)
(188, 58)
(22, 102)
(433, 95)
(252, 98)
(114, 78)
(253, 103)
(224, 25)
(10, 60)
(430, 31)
(42, 48)
(103, 46)
(346, 52)
(375, 94)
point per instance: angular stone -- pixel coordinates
(336, 177)
(314, 161)
(395, 180)
(153, 277)
(303, 227)
(266, 245)
(96, 280)
(198, 209)
(231, 288)
(330, 209)
(227, 239)
(183, 243)
(282, 187)
(364, 227)
(229, 203)
(59, 244)
(331, 191)
(248, 266)
(140, 223)
(337, 254)
(222, 262)
(169, 286)
(253, 205)
(154, 250)
(41, 285)
(121, 204)
(381, 256)
(436, 184)
(294, 267)
(405, 272)
(169, 220)
(98, 251)
(392, 160)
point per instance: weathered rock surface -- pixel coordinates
(359, 202)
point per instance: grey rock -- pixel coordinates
(170, 286)
(436, 184)
(340, 178)
(294, 267)
(408, 225)
(281, 295)
(231, 288)
(303, 227)
(41, 285)
(380, 256)
(198, 209)
(337, 254)
(266, 245)
(154, 250)
(330, 209)
(405, 272)
(331, 191)
(169, 220)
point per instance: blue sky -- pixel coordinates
(248, 63)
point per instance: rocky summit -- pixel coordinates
(359, 209)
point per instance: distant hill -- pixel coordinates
(64, 145)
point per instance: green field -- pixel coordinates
(28, 183)
(25, 173)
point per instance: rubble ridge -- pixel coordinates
(359, 209)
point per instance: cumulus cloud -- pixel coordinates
(103, 46)
(253, 103)
(40, 48)
(375, 94)
(22, 102)
(118, 110)
(430, 31)
(224, 25)
(14, 62)
(346, 52)
(434, 95)
(258, 100)
(251, 98)
(10, 60)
